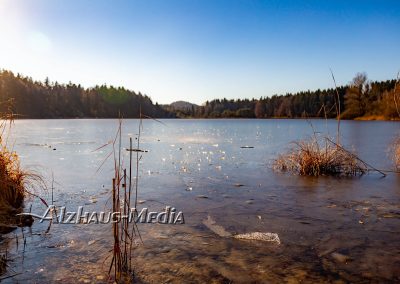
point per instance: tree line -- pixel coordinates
(26, 98)
(361, 98)
(34, 99)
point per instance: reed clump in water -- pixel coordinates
(320, 157)
(316, 157)
(12, 187)
(11, 180)
(15, 183)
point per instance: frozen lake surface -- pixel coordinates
(330, 229)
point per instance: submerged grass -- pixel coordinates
(3, 264)
(316, 157)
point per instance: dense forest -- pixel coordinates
(26, 98)
(361, 98)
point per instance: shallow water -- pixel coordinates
(199, 167)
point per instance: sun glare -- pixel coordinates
(39, 42)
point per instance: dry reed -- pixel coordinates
(12, 184)
(323, 156)
(395, 147)
(320, 157)
(15, 183)
(124, 199)
(396, 144)
(396, 153)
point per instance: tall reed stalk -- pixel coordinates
(396, 145)
(124, 232)
(396, 153)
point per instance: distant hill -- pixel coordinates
(183, 106)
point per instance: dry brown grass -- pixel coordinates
(322, 156)
(315, 157)
(12, 185)
(11, 180)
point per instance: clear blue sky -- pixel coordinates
(197, 50)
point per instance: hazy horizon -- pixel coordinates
(201, 50)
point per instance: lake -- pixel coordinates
(219, 170)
